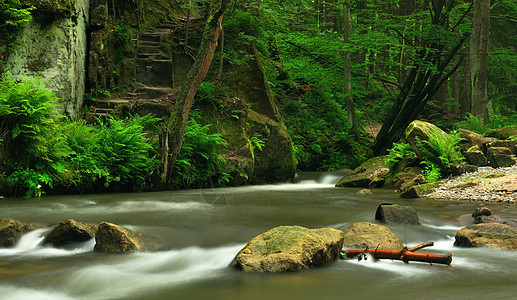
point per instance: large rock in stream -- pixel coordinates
(70, 232)
(11, 231)
(289, 248)
(389, 213)
(114, 238)
(365, 234)
(493, 235)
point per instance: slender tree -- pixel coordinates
(184, 97)
(348, 69)
(479, 58)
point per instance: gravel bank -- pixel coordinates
(497, 185)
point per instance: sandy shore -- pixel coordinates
(488, 184)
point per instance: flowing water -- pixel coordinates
(202, 230)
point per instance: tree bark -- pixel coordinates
(479, 58)
(348, 70)
(185, 96)
(406, 255)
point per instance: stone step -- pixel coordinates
(152, 92)
(110, 103)
(153, 72)
(154, 56)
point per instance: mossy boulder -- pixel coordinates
(404, 179)
(419, 191)
(500, 157)
(11, 231)
(113, 238)
(503, 133)
(419, 131)
(365, 174)
(396, 214)
(70, 232)
(365, 234)
(475, 156)
(493, 235)
(289, 248)
(470, 139)
(458, 169)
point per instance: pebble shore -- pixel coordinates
(496, 185)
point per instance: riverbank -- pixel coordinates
(496, 185)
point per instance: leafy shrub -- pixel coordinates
(441, 152)
(199, 159)
(399, 151)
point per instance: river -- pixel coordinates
(202, 230)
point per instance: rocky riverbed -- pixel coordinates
(486, 185)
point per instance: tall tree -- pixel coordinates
(183, 99)
(431, 67)
(479, 58)
(348, 69)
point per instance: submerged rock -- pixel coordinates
(11, 231)
(365, 174)
(114, 238)
(493, 235)
(396, 214)
(289, 248)
(364, 192)
(495, 219)
(365, 234)
(70, 232)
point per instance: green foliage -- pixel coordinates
(199, 160)
(30, 180)
(440, 152)
(26, 110)
(41, 149)
(477, 124)
(399, 152)
(14, 14)
(122, 33)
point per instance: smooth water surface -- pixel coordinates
(202, 230)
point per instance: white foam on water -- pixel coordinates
(12, 292)
(29, 246)
(143, 272)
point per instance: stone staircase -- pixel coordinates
(153, 80)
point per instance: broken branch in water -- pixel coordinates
(406, 255)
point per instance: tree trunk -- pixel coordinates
(465, 94)
(455, 91)
(219, 76)
(185, 96)
(405, 255)
(479, 58)
(348, 70)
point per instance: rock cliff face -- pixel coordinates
(54, 45)
(129, 56)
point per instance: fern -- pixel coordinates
(399, 151)
(441, 152)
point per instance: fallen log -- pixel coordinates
(406, 255)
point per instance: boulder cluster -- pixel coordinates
(497, 149)
(109, 237)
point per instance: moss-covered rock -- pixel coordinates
(503, 133)
(365, 234)
(11, 231)
(500, 157)
(475, 156)
(363, 175)
(70, 232)
(419, 191)
(289, 248)
(458, 169)
(419, 131)
(61, 8)
(470, 139)
(493, 235)
(396, 214)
